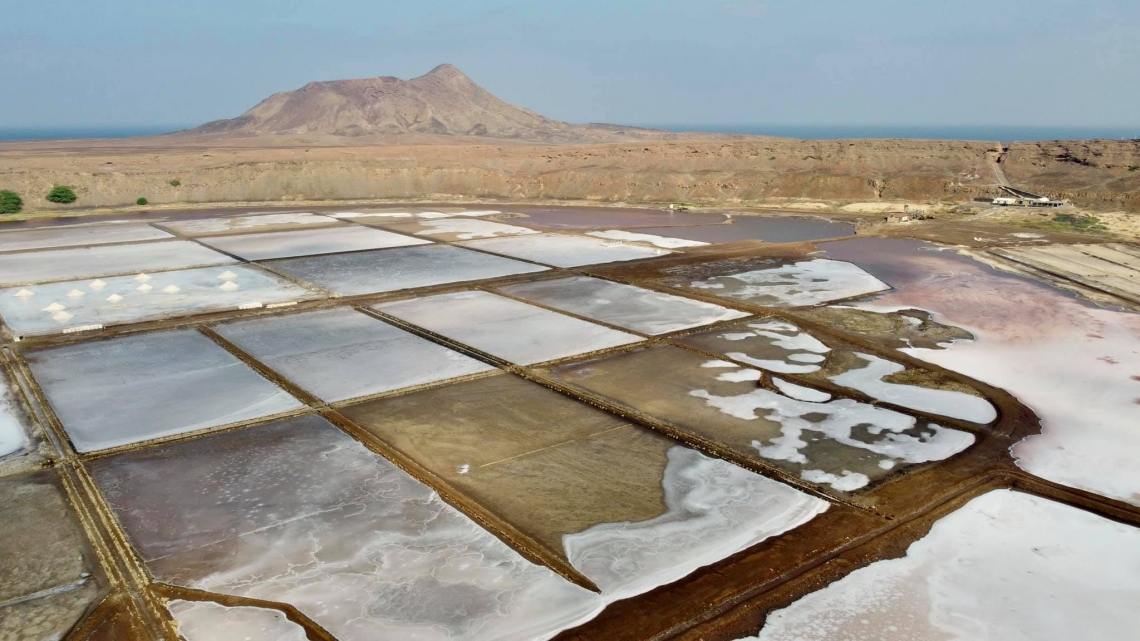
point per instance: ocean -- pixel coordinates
(996, 133)
(806, 132)
(65, 133)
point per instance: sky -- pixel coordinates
(715, 62)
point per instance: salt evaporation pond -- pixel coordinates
(512, 330)
(298, 512)
(340, 354)
(840, 443)
(665, 242)
(124, 390)
(561, 250)
(770, 229)
(309, 242)
(635, 308)
(803, 283)
(107, 260)
(869, 380)
(388, 270)
(209, 621)
(245, 224)
(454, 229)
(627, 507)
(1006, 566)
(75, 235)
(13, 437)
(1075, 364)
(57, 307)
(604, 218)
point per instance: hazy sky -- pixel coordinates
(901, 62)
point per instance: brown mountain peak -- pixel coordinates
(444, 101)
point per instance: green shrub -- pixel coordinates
(1133, 167)
(62, 194)
(142, 201)
(10, 202)
(1076, 221)
(175, 183)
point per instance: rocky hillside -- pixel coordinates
(442, 102)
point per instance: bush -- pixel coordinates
(142, 201)
(62, 194)
(10, 202)
(175, 183)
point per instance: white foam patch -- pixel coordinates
(804, 283)
(869, 380)
(652, 239)
(713, 509)
(1006, 566)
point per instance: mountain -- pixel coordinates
(443, 101)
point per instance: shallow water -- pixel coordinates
(341, 353)
(770, 229)
(803, 283)
(606, 218)
(110, 260)
(298, 512)
(77, 235)
(13, 435)
(512, 330)
(134, 388)
(388, 270)
(309, 242)
(246, 224)
(634, 308)
(561, 250)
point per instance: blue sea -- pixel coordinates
(67, 133)
(995, 133)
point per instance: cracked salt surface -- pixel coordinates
(799, 284)
(298, 512)
(869, 380)
(839, 420)
(209, 621)
(563, 251)
(130, 389)
(1006, 566)
(120, 299)
(635, 308)
(713, 510)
